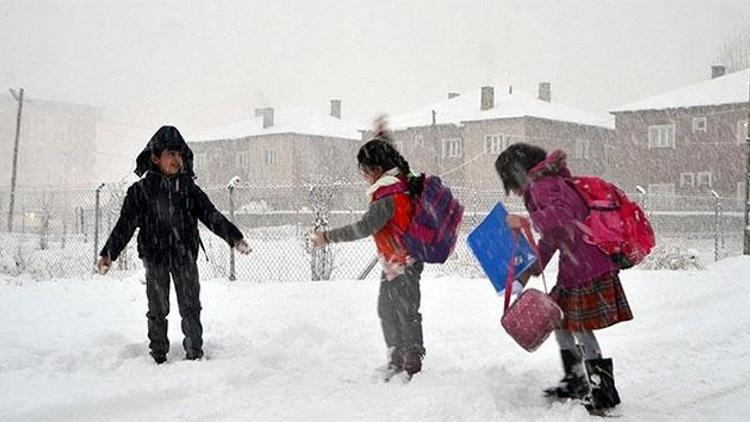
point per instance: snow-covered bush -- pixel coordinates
(672, 257)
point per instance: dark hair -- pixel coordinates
(513, 164)
(380, 153)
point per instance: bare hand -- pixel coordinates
(104, 264)
(515, 221)
(243, 247)
(318, 239)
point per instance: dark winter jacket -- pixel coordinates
(166, 210)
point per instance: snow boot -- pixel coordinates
(574, 384)
(603, 392)
(396, 362)
(194, 355)
(159, 358)
(412, 361)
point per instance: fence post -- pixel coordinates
(644, 198)
(717, 210)
(232, 274)
(97, 216)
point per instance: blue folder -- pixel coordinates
(491, 242)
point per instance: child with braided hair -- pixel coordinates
(391, 189)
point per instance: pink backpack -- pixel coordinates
(615, 224)
(534, 315)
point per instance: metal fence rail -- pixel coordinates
(58, 232)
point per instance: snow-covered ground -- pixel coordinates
(75, 350)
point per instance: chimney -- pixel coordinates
(336, 108)
(267, 114)
(717, 71)
(545, 91)
(434, 117)
(452, 95)
(488, 98)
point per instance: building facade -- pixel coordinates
(686, 142)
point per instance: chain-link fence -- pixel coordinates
(57, 232)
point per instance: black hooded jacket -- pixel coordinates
(166, 209)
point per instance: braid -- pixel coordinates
(415, 182)
(381, 152)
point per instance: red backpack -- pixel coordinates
(617, 225)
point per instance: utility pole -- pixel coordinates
(18, 97)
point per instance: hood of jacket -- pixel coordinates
(553, 165)
(166, 136)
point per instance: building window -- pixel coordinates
(583, 147)
(687, 180)
(199, 161)
(496, 143)
(661, 136)
(704, 179)
(242, 159)
(699, 124)
(272, 158)
(419, 141)
(741, 131)
(452, 147)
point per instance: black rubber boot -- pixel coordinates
(603, 392)
(574, 384)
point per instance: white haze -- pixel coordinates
(199, 65)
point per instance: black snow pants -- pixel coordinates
(185, 276)
(398, 309)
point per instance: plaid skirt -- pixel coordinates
(595, 305)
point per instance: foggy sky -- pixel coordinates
(205, 64)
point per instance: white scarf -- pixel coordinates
(387, 179)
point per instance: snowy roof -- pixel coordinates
(466, 107)
(727, 89)
(306, 120)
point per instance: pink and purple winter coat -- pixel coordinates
(553, 206)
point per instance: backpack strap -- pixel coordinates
(389, 190)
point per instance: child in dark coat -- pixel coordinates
(390, 192)
(166, 205)
(588, 289)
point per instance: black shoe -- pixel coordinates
(159, 358)
(412, 361)
(574, 384)
(396, 362)
(194, 355)
(603, 392)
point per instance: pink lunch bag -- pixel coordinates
(534, 315)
